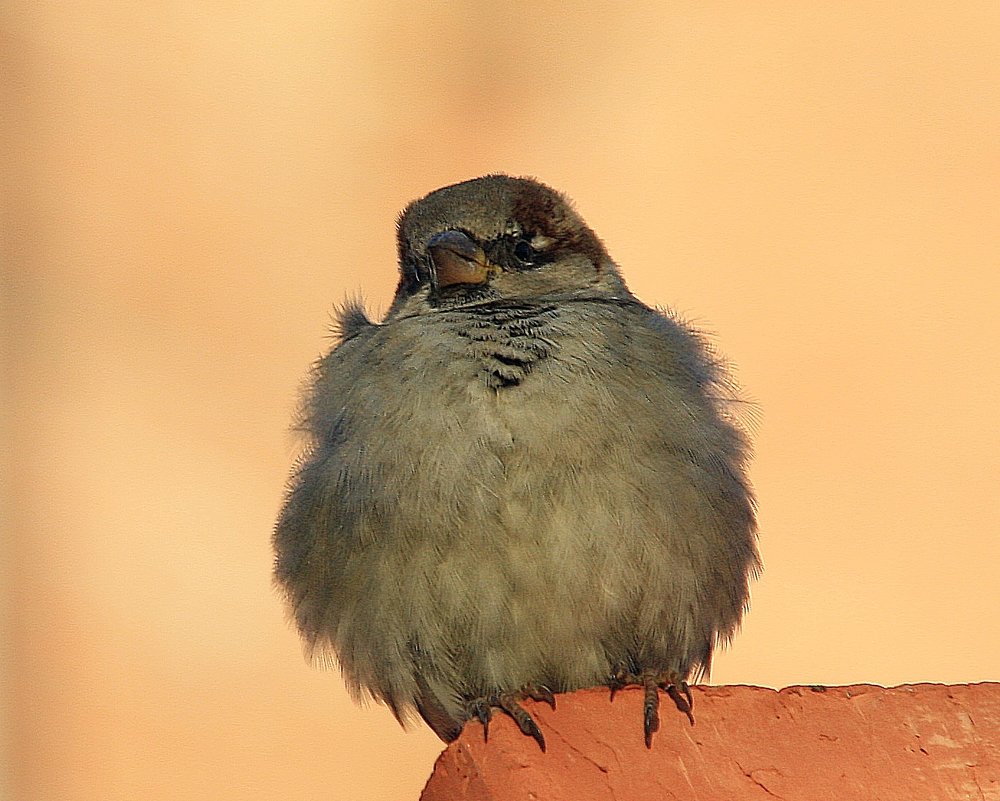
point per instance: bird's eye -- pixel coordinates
(524, 252)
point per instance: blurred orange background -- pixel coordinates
(190, 188)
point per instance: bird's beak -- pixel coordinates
(457, 260)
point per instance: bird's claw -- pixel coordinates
(680, 694)
(482, 709)
(538, 692)
(652, 682)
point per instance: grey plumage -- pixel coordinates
(523, 477)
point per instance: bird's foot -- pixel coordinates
(482, 709)
(652, 682)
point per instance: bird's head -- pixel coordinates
(497, 238)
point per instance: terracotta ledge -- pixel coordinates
(917, 741)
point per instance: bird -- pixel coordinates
(521, 482)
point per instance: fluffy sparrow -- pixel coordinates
(523, 481)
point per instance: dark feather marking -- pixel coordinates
(507, 340)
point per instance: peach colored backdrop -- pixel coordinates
(191, 187)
